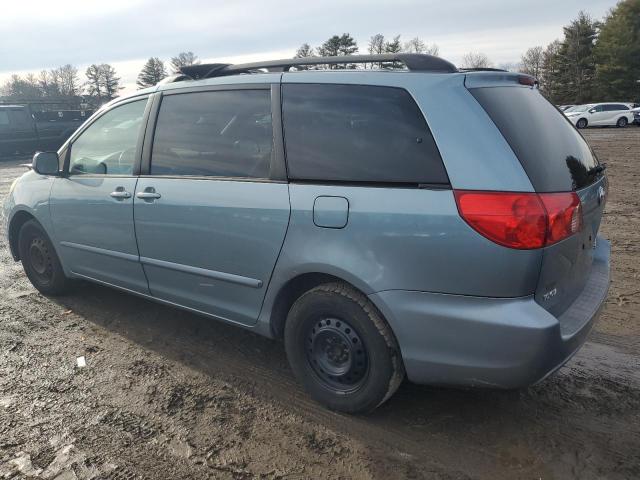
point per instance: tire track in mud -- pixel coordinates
(170, 395)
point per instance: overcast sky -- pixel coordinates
(44, 34)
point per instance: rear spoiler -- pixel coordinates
(496, 78)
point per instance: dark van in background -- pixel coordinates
(27, 127)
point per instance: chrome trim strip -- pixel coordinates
(225, 277)
(101, 251)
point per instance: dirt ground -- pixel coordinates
(166, 394)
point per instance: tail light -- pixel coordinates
(521, 220)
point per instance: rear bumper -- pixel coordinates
(494, 342)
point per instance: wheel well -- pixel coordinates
(290, 292)
(17, 221)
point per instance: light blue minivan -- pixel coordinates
(386, 223)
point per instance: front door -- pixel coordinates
(92, 205)
(210, 216)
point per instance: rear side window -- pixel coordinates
(552, 152)
(215, 133)
(355, 133)
(615, 107)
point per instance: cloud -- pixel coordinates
(44, 34)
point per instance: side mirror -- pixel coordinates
(46, 163)
(593, 110)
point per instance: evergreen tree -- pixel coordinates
(338, 45)
(110, 82)
(549, 76)
(152, 72)
(394, 46)
(577, 67)
(617, 53)
(183, 59)
(94, 83)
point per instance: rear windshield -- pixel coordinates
(551, 151)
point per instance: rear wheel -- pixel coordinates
(40, 261)
(341, 349)
(622, 122)
(582, 123)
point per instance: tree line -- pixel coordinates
(101, 82)
(593, 61)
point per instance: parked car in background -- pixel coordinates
(344, 211)
(636, 115)
(24, 130)
(600, 115)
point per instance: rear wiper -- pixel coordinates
(597, 169)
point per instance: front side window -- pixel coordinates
(356, 133)
(108, 145)
(214, 134)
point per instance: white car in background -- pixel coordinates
(600, 114)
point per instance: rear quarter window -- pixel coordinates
(356, 133)
(552, 152)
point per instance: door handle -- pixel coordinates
(120, 194)
(149, 193)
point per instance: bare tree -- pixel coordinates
(68, 80)
(532, 61)
(510, 66)
(183, 59)
(305, 50)
(476, 60)
(416, 45)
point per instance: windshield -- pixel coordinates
(577, 108)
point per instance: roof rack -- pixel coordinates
(415, 62)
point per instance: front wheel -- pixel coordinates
(582, 123)
(622, 122)
(341, 349)
(40, 261)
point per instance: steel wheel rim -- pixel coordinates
(337, 355)
(40, 260)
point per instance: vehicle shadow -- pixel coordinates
(492, 427)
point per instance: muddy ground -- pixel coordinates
(166, 394)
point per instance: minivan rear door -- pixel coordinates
(557, 159)
(212, 205)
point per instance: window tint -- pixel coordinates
(4, 117)
(20, 118)
(108, 146)
(615, 106)
(358, 133)
(221, 134)
(552, 152)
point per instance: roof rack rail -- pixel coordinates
(415, 62)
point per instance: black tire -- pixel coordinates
(40, 261)
(341, 349)
(582, 123)
(622, 122)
